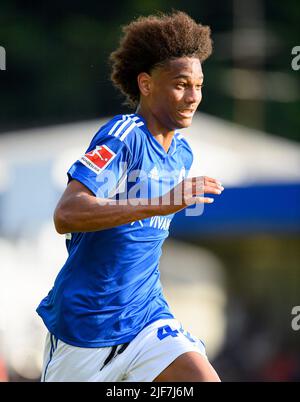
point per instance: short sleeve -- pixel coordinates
(105, 163)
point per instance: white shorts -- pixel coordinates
(143, 359)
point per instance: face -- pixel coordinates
(174, 92)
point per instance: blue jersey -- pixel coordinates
(109, 288)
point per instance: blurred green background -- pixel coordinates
(57, 60)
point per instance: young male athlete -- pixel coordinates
(106, 314)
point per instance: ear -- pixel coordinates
(144, 83)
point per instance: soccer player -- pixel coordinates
(106, 314)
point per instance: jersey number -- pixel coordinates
(163, 332)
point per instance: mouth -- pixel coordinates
(186, 113)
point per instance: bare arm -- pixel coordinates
(79, 210)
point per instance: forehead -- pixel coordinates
(189, 67)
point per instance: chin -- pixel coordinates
(184, 123)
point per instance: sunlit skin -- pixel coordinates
(170, 95)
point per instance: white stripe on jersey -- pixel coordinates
(127, 123)
(131, 127)
(127, 131)
(116, 125)
(136, 119)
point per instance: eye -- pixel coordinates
(199, 87)
(180, 85)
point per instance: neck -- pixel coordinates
(161, 133)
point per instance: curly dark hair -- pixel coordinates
(151, 41)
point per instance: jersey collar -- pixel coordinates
(158, 147)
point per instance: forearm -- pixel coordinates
(85, 213)
(80, 211)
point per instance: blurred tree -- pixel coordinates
(57, 68)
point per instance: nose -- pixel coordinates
(193, 96)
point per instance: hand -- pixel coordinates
(190, 191)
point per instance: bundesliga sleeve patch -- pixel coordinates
(98, 159)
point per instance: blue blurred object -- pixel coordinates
(245, 210)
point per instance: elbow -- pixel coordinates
(61, 221)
